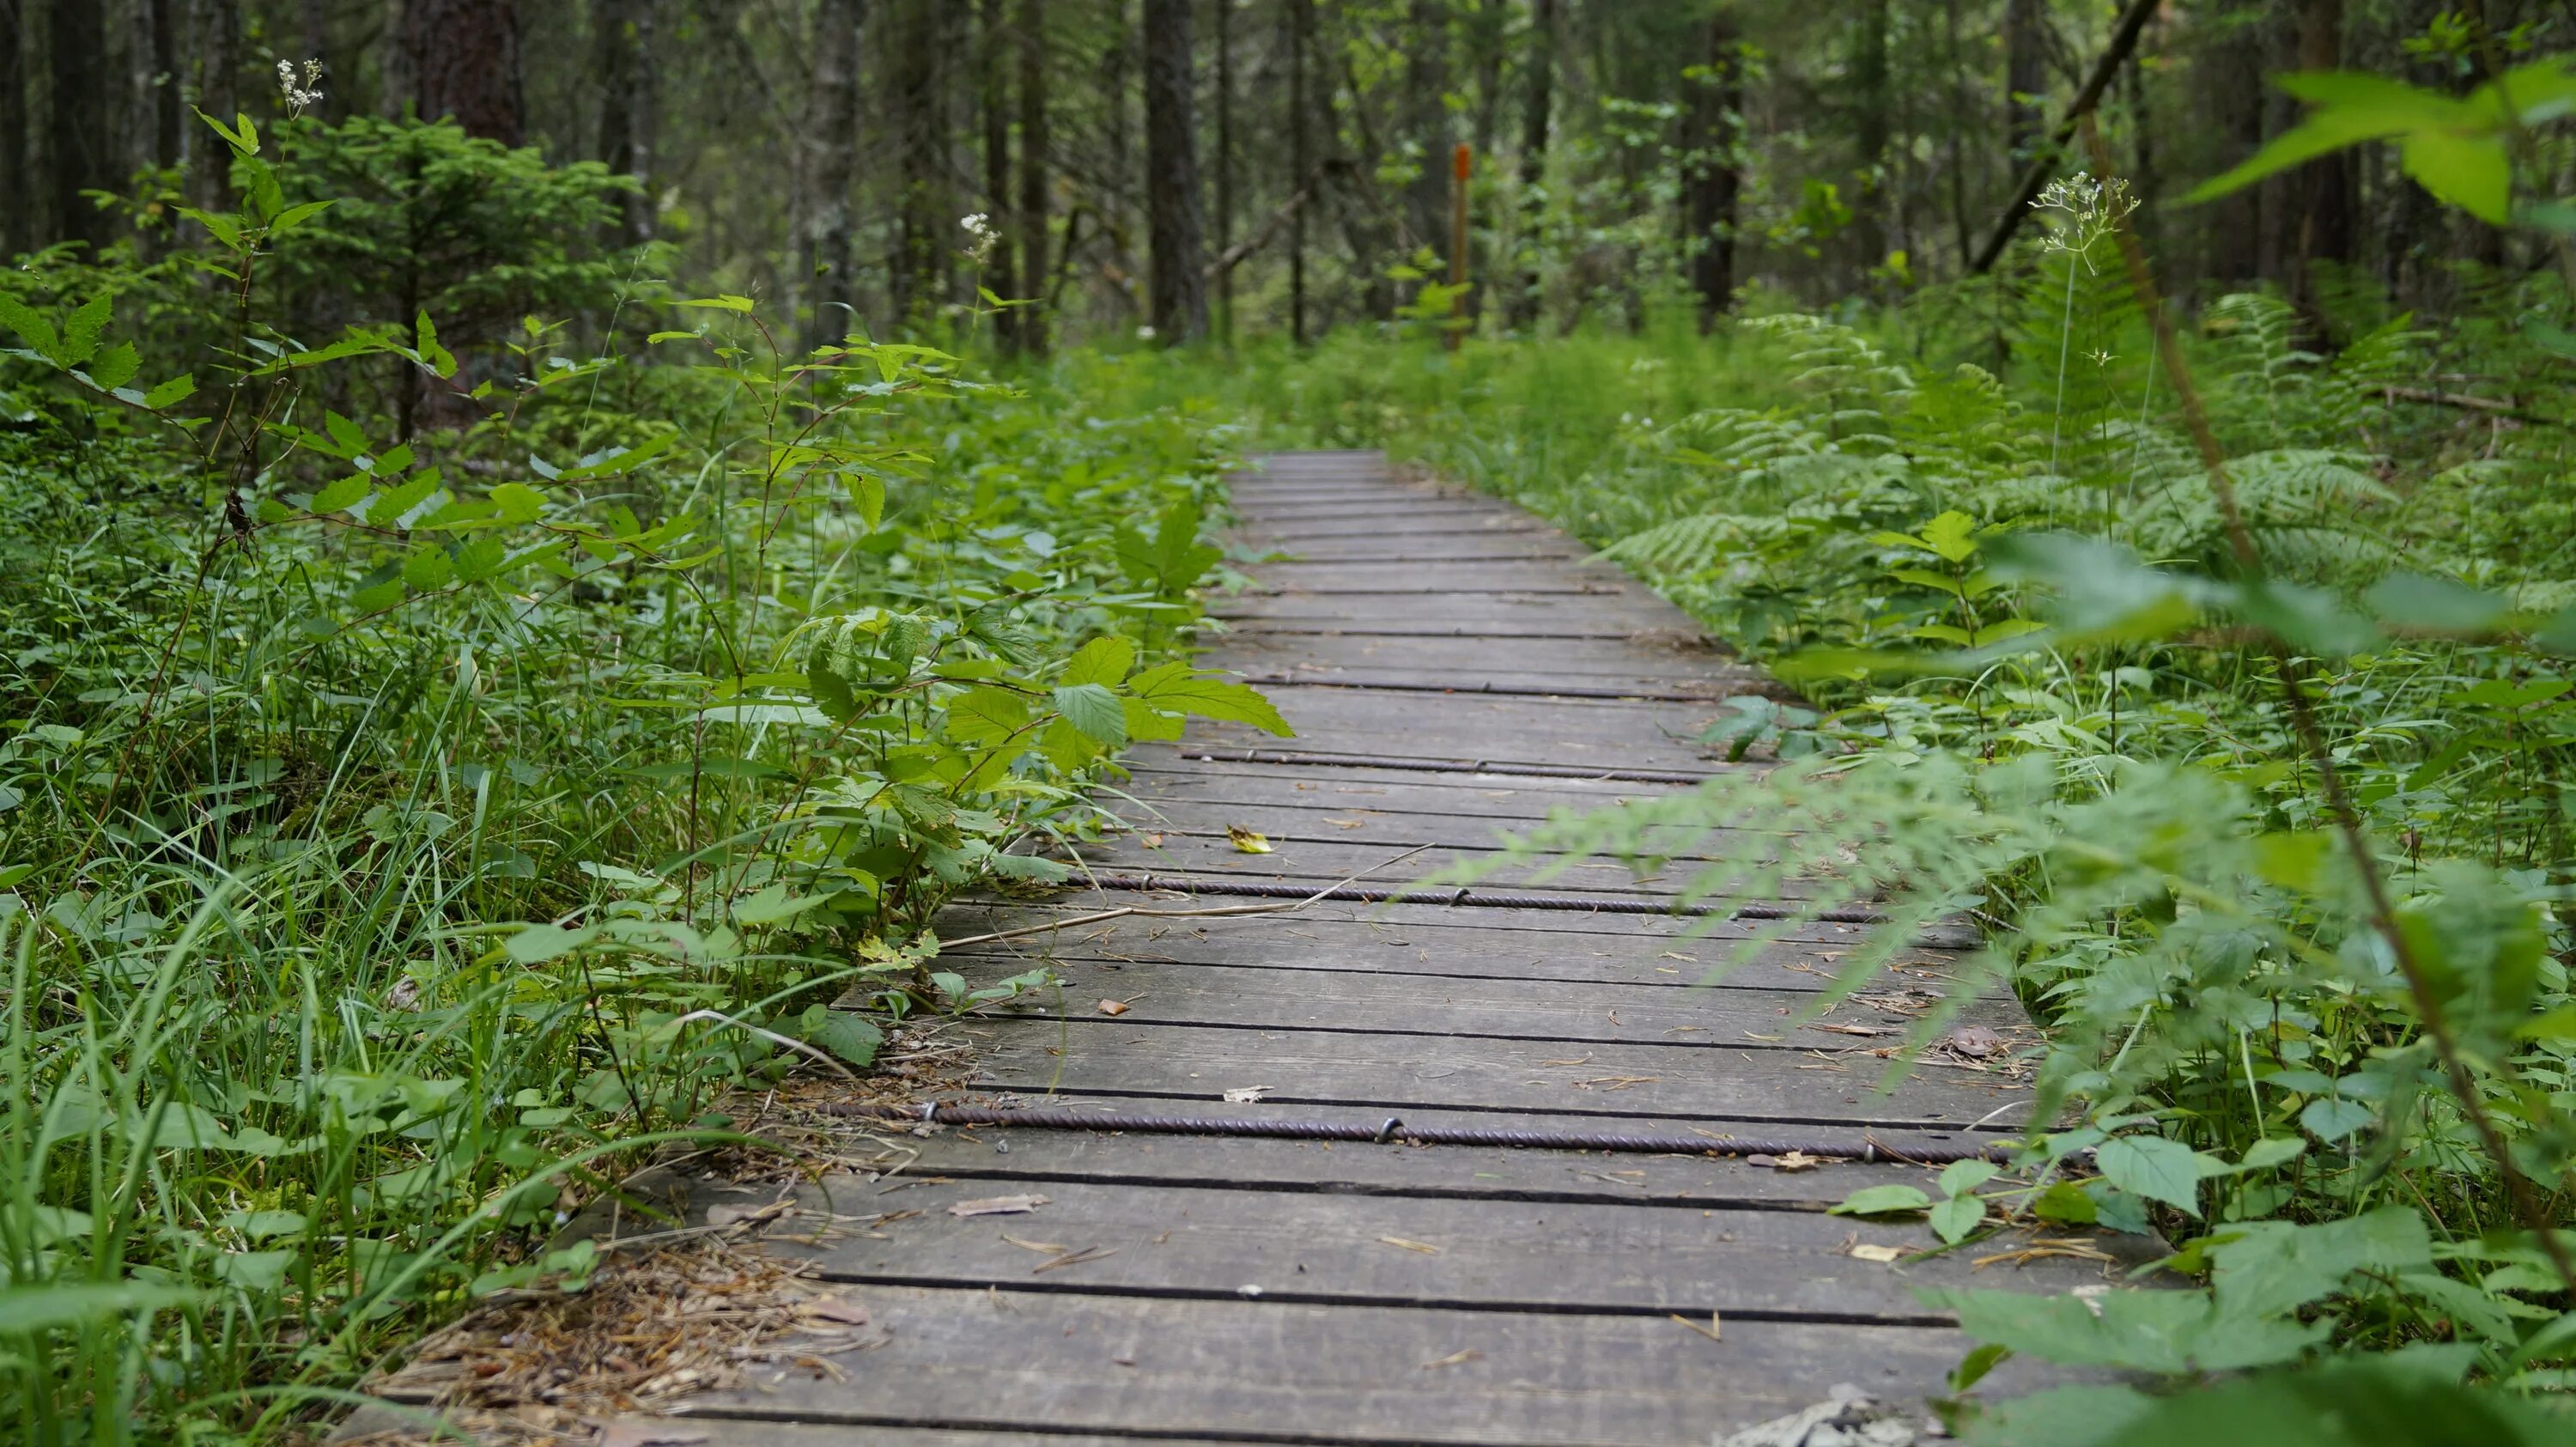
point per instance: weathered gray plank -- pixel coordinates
(1676, 659)
(1487, 1252)
(1333, 1168)
(1191, 992)
(1276, 1371)
(1183, 1062)
(1324, 861)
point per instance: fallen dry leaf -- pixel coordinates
(1974, 1040)
(1246, 1094)
(1112, 1007)
(997, 1206)
(1797, 1161)
(1250, 841)
(1868, 1251)
(1425, 1247)
(1150, 841)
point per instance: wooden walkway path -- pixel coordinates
(1221, 1289)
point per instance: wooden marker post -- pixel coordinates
(1458, 169)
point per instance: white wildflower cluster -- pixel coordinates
(2079, 211)
(299, 98)
(981, 236)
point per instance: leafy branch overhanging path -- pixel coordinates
(1224, 1289)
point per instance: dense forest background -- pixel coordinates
(1288, 157)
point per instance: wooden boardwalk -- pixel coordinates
(1454, 668)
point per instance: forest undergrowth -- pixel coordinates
(433, 781)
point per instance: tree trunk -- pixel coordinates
(2330, 186)
(77, 141)
(1427, 130)
(994, 98)
(827, 144)
(1875, 104)
(920, 269)
(1523, 314)
(1225, 164)
(624, 62)
(2025, 76)
(465, 63)
(16, 233)
(1172, 180)
(1301, 45)
(1030, 328)
(1715, 180)
(2227, 72)
(214, 86)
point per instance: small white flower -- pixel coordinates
(1144, 334)
(981, 236)
(299, 98)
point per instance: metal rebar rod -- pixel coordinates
(1444, 766)
(1463, 897)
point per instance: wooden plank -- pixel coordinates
(1399, 657)
(1342, 1168)
(1325, 861)
(1591, 1013)
(1555, 731)
(1360, 822)
(1397, 1071)
(1299, 1246)
(1370, 796)
(1288, 1373)
(380, 1425)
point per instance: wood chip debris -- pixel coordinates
(996, 1206)
(1425, 1247)
(1713, 1331)
(1112, 1007)
(1246, 1094)
(1455, 1359)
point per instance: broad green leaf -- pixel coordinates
(32, 328)
(253, 1270)
(115, 367)
(2331, 1118)
(2274, 1267)
(844, 1033)
(2166, 1332)
(726, 302)
(335, 496)
(479, 558)
(429, 569)
(1105, 660)
(1960, 1177)
(2440, 605)
(1881, 1201)
(81, 330)
(1952, 535)
(539, 943)
(171, 393)
(519, 502)
(982, 717)
(2474, 173)
(2153, 1167)
(425, 343)
(1955, 1218)
(868, 495)
(2400, 1399)
(1181, 688)
(1093, 709)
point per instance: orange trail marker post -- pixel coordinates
(1459, 166)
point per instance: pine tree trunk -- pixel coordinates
(1225, 164)
(214, 68)
(1874, 105)
(623, 59)
(1523, 314)
(2330, 186)
(924, 221)
(995, 99)
(16, 232)
(827, 145)
(79, 133)
(1301, 46)
(1426, 83)
(1716, 180)
(1031, 326)
(1172, 176)
(465, 63)
(2025, 77)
